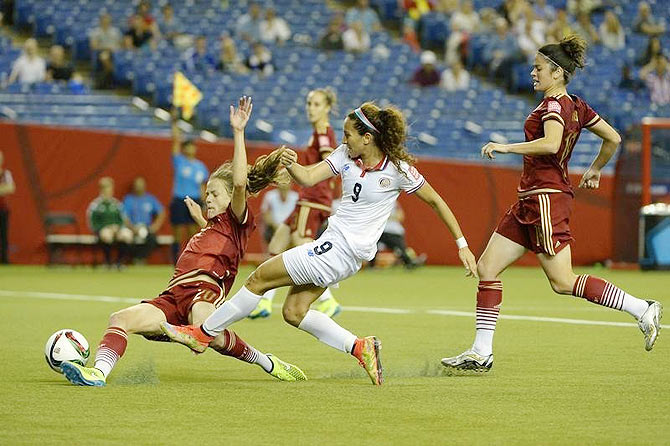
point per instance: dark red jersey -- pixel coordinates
(217, 249)
(321, 193)
(551, 171)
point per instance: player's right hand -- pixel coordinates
(288, 157)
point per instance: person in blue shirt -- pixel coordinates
(190, 175)
(145, 215)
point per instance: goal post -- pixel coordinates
(647, 126)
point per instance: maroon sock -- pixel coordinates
(111, 348)
(236, 347)
(489, 298)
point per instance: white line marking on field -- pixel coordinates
(558, 320)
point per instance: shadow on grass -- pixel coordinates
(140, 375)
(429, 369)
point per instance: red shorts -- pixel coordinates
(539, 223)
(176, 302)
(307, 220)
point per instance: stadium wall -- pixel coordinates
(57, 169)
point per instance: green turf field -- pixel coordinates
(552, 382)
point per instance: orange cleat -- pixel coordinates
(191, 336)
(366, 350)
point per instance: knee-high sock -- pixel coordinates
(238, 307)
(234, 346)
(111, 348)
(327, 331)
(326, 295)
(489, 298)
(601, 292)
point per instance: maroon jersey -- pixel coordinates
(550, 172)
(321, 193)
(217, 249)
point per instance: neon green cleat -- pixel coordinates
(330, 307)
(263, 309)
(284, 371)
(82, 376)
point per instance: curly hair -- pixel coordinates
(265, 171)
(392, 131)
(569, 54)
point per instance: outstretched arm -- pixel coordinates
(238, 121)
(428, 195)
(305, 176)
(611, 140)
(547, 145)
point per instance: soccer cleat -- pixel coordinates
(284, 371)
(189, 335)
(366, 350)
(82, 376)
(469, 360)
(650, 323)
(330, 307)
(263, 309)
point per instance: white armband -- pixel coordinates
(461, 243)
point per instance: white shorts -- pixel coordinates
(323, 262)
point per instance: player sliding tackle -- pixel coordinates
(375, 167)
(205, 271)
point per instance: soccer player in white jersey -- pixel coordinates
(375, 167)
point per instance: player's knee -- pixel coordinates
(106, 235)
(561, 285)
(484, 271)
(293, 314)
(256, 282)
(119, 319)
(125, 235)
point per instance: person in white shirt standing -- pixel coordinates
(375, 167)
(29, 67)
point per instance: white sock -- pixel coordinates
(263, 361)
(104, 366)
(483, 342)
(269, 295)
(325, 296)
(238, 307)
(634, 306)
(327, 331)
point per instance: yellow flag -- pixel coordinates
(185, 95)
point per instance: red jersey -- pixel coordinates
(217, 249)
(551, 171)
(321, 193)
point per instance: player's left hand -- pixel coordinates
(491, 147)
(469, 261)
(591, 179)
(240, 116)
(288, 157)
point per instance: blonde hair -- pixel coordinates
(329, 94)
(265, 171)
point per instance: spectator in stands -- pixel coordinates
(612, 34)
(576, 7)
(260, 60)
(145, 215)
(502, 52)
(653, 49)
(58, 69)
(197, 57)
(277, 206)
(427, 74)
(464, 23)
(139, 33)
(393, 238)
(105, 36)
(332, 38)
(168, 25)
(628, 81)
(356, 39)
(363, 13)
(543, 11)
(446, 7)
(585, 28)
(645, 23)
(105, 218)
(229, 60)
(7, 187)
(511, 10)
(190, 175)
(144, 12)
(77, 84)
(531, 33)
(248, 25)
(104, 74)
(657, 76)
(487, 20)
(274, 29)
(559, 28)
(29, 67)
(455, 78)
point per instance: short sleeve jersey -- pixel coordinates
(321, 193)
(551, 171)
(141, 209)
(217, 249)
(189, 174)
(368, 198)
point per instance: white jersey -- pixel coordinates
(368, 198)
(279, 209)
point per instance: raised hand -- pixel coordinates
(590, 179)
(240, 116)
(196, 212)
(488, 151)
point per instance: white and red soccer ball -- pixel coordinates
(66, 345)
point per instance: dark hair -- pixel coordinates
(187, 141)
(569, 54)
(391, 134)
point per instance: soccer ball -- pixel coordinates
(66, 345)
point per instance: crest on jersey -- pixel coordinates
(554, 106)
(346, 167)
(385, 182)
